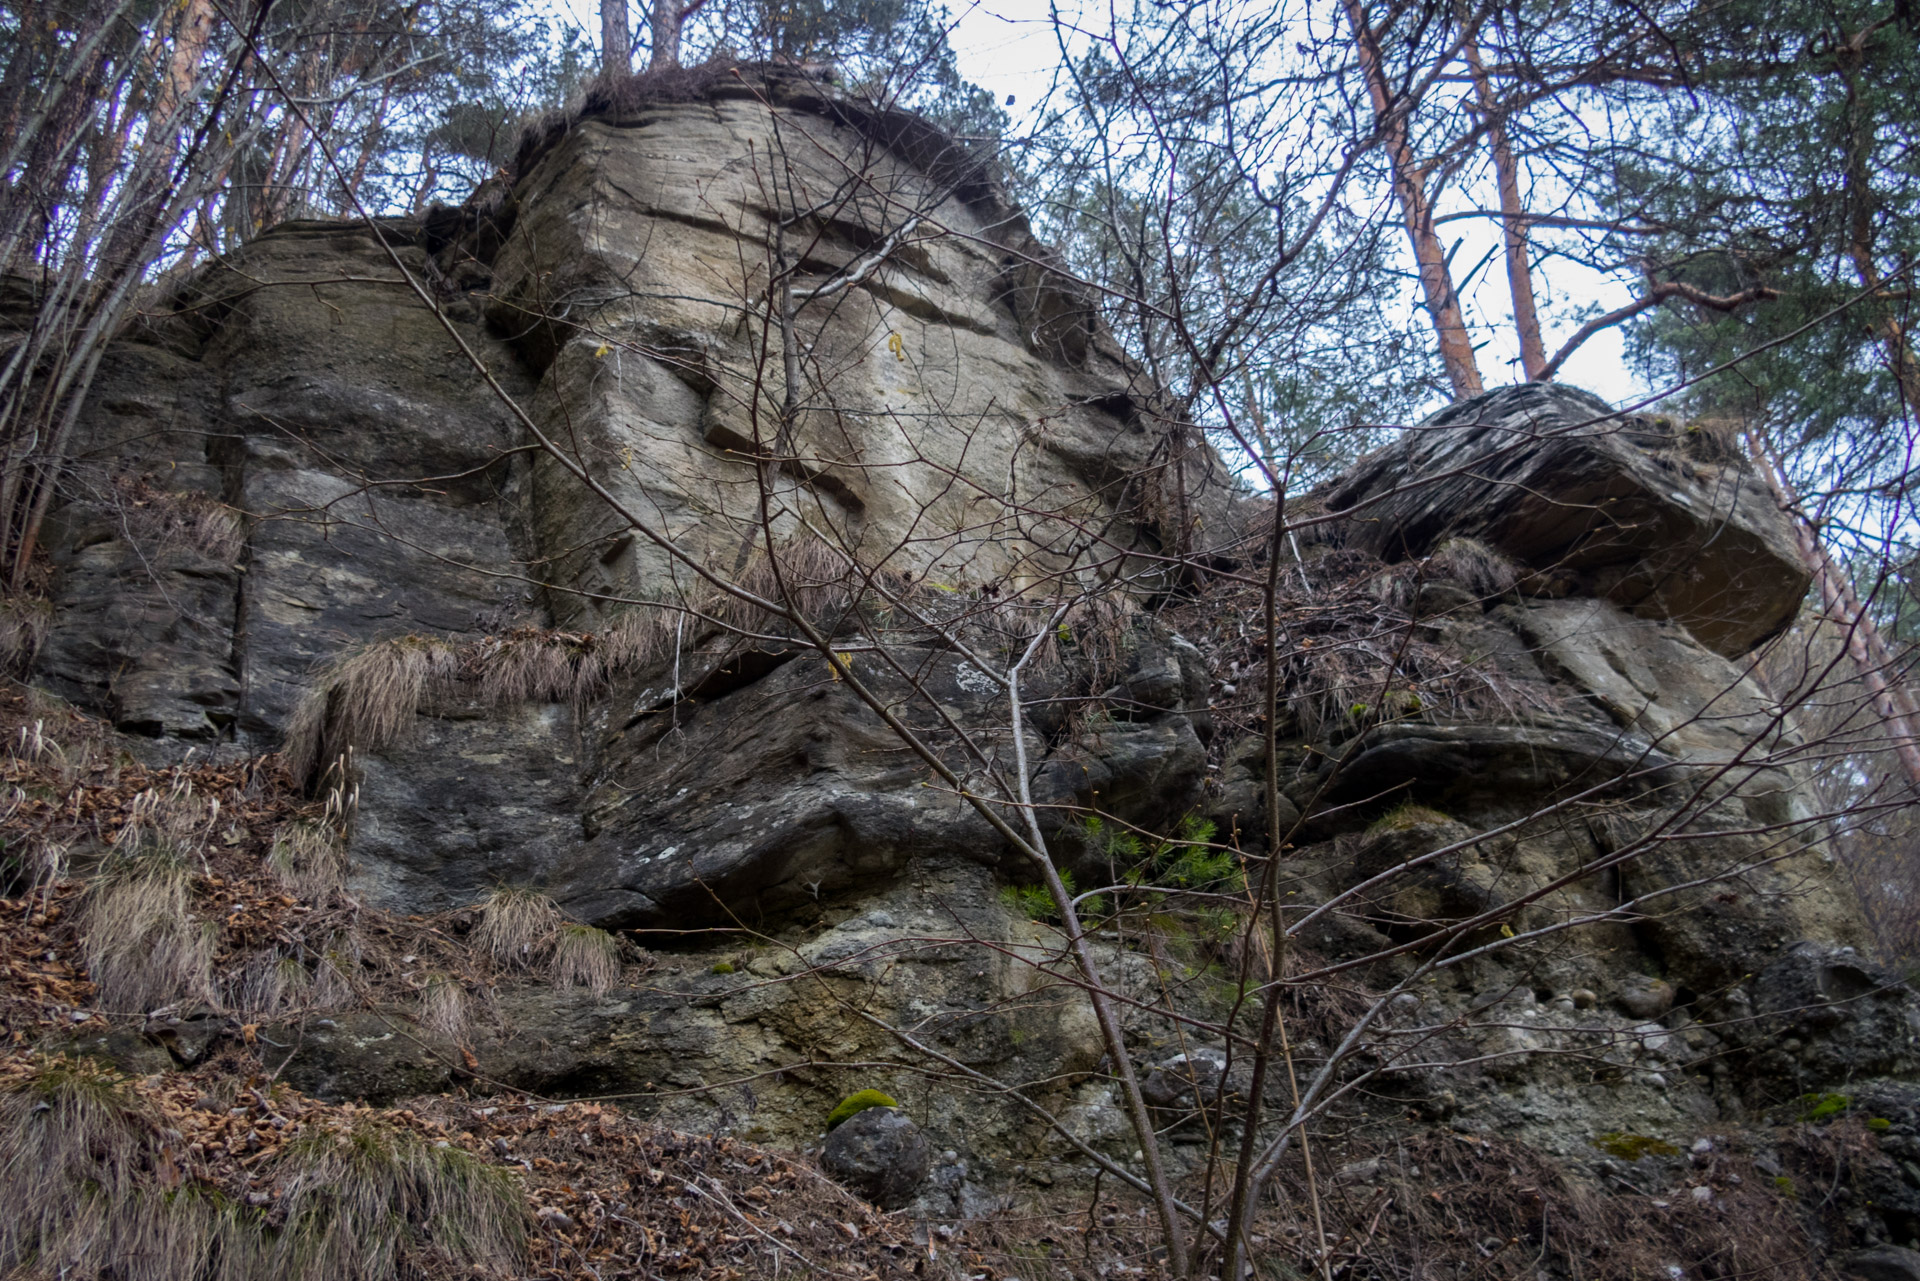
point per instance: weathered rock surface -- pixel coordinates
(1655, 938)
(1664, 522)
(879, 1153)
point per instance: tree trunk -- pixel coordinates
(1513, 220)
(1865, 646)
(667, 17)
(1410, 190)
(616, 39)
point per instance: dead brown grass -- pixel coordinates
(1443, 1203)
(517, 927)
(116, 1192)
(365, 701)
(145, 948)
(308, 859)
(585, 957)
(163, 519)
(368, 1199)
(24, 622)
(79, 1196)
(443, 1007)
(1474, 566)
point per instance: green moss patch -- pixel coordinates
(1404, 818)
(1631, 1147)
(854, 1104)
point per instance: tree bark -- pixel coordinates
(616, 38)
(1513, 221)
(667, 17)
(1410, 190)
(1865, 645)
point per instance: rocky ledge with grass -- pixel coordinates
(368, 756)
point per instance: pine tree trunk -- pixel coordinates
(667, 17)
(1410, 190)
(1865, 645)
(616, 39)
(1513, 220)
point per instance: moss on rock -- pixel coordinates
(859, 1102)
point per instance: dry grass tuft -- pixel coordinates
(616, 96)
(443, 1007)
(162, 519)
(24, 623)
(307, 858)
(529, 665)
(269, 986)
(174, 821)
(366, 701)
(804, 573)
(637, 638)
(585, 957)
(79, 1199)
(517, 927)
(144, 948)
(366, 1199)
(1475, 566)
(333, 977)
(101, 1187)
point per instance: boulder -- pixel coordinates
(1881, 1263)
(879, 1153)
(1664, 521)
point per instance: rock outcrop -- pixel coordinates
(1521, 711)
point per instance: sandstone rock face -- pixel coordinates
(1589, 779)
(1663, 522)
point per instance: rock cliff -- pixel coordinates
(1535, 800)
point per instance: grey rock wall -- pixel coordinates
(962, 415)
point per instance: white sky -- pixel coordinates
(1008, 47)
